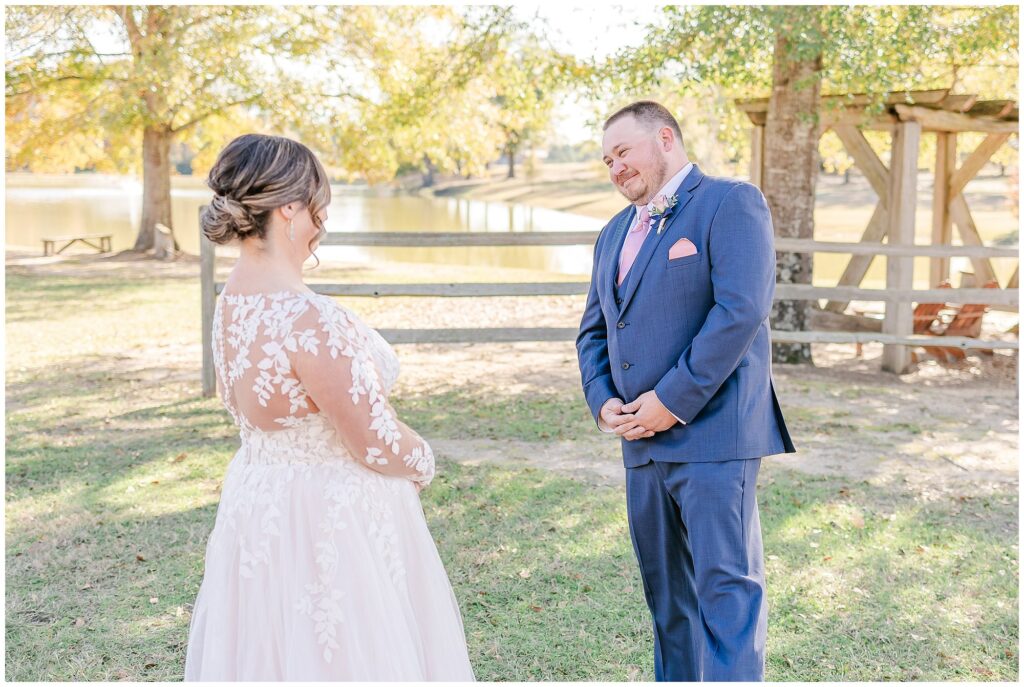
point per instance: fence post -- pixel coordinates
(899, 271)
(757, 156)
(208, 294)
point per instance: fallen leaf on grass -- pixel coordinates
(857, 520)
(178, 458)
(154, 599)
(84, 587)
(525, 574)
(140, 557)
(79, 622)
(536, 609)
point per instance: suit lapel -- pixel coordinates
(612, 258)
(684, 194)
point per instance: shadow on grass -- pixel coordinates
(867, 582)
(30, 296)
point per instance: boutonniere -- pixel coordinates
(659, 208)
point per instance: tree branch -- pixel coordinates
(217, 110)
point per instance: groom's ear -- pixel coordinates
(667, 138)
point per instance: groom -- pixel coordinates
(675, 355)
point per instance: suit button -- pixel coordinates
(621, 325)
(618, 301)
(625, 366)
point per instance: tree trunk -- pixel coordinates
(790, 172)
(156, 185)
(510, 150)
(430, 175)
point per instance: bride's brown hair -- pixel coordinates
(254, 175)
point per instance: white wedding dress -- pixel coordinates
(319, 568)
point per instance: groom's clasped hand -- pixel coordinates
(640, 419)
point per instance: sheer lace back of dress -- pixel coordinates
(275, 353)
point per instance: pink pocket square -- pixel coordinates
(681, 248)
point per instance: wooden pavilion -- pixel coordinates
(907, 115)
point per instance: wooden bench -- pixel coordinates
(103, 247)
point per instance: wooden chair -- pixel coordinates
(967, 322)
(925, 316)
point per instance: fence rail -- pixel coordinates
(996, 297)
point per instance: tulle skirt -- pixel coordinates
(321, 569)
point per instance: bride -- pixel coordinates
(320, 565)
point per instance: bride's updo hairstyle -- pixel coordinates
(254, 175)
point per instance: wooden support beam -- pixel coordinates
(757, 156)
(973, 164)
(208, 304)
(941, 120)
(866, 159)
(995, 108)
(961, 215)
(858, 266)
(853, 100)
(516, 334)
(878, 176)
(460, 238)
(959, 103)
(796, 292)
(479, 335)
(860, 118)
(1014, 278)
(960, 342)
(468, 290)
(942, 225)
(899, 272)
(873, 248)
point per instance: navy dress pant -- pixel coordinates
(697, 538)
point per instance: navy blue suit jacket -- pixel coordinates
(693, 329)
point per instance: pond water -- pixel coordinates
(38, 206)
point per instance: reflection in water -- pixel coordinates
(53, 205)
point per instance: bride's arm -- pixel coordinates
(342, 380)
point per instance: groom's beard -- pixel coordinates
(642, 194)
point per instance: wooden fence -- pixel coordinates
(896, 332)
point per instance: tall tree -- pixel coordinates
(345, 78)
(525, 79)
(794, 54)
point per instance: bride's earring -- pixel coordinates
(291, 229)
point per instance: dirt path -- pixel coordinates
(937, 430)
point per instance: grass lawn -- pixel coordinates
(113, 470)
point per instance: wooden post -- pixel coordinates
(942, 225)
(899, 271)
(757, 155)
(208, 294)
(163, 242)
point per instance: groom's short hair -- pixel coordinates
(649, 113)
